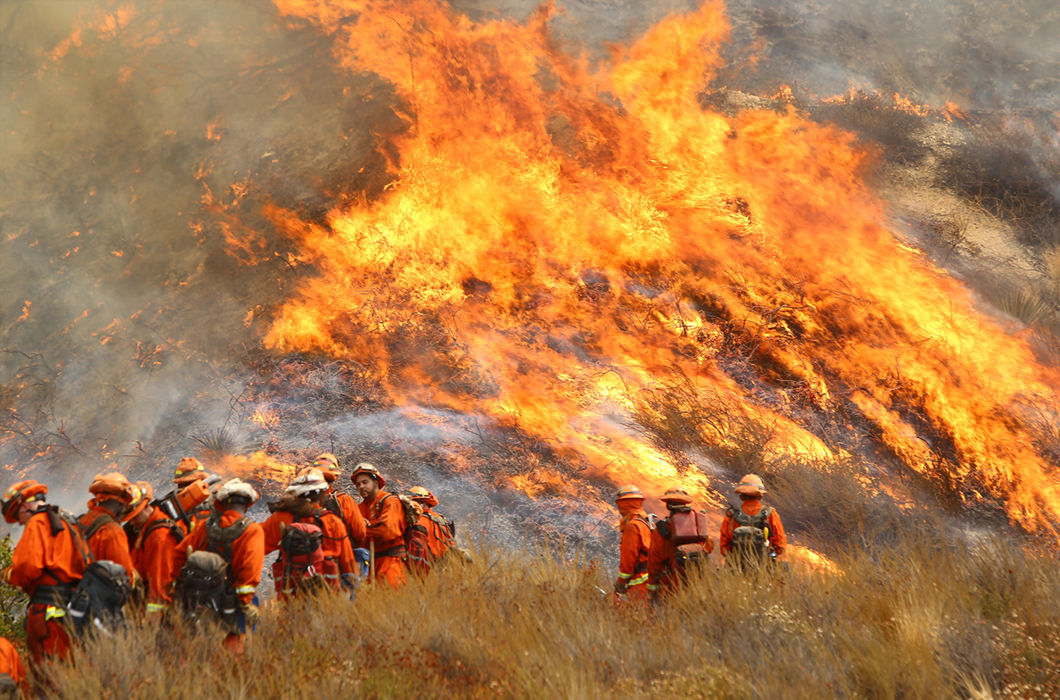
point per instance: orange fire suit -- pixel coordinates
(633, 554)
(248, 557)
(109, 541)
(336, 544)
(47, 563)
(777, 539)
(154, 553)
(11, 664)
(351, 517)
(664, 566)
(385, 525)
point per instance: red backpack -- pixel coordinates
(301, 564)
(419, 555)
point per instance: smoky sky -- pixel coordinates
(136, 147)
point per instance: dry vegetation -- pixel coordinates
(928, 618)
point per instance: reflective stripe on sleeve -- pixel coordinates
(52, 612)
(643, 578)
(622, 575)
(243, 590)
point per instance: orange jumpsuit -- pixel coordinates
(385, 526)
(664, 572)
(777, 539)
(336, 545)
(248, 557)
(633, 554)
(351, 518)
(154, 553)
(109, 541)
(42, 559)
(11, 664)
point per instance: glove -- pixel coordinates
(251, 614)
(621, 586)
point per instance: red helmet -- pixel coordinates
(18, 494)
(370, 470)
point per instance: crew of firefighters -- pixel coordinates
(164, 551)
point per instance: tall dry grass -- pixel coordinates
(924, 618)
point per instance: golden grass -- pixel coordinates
(921, 619)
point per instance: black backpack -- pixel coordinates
(750, 538)
(200, 587)
(99, 599)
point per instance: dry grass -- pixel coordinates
(924, 618)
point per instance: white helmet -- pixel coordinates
(236, 487)
(309, 481)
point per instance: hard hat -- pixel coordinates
(630, 492)
(188, 470)
(236, 488)
(142, 494)
(370, 470)
(328, 464)
(750, 485)
(19, 493)
(111, 485)
(675, 494)
(422, 495)
(308, 482)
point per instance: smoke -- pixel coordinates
(137, 137)
(141, 141)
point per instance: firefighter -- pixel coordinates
(188, 471)
(301, 503)
(47, 563)
(111, 493)
(636, 531)
(341, 504)
(438, 531)
(241, 542)
(12, 673)
(384, 516)
(675, 547)
(154, 549)
(751, 533)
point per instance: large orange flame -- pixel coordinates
(557, 242)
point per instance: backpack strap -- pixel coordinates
(174, 530)
(220, 539)
(59, 519)
(98, 523)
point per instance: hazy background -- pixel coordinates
(140, 141)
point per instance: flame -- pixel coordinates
(257, 466)
(560, 242)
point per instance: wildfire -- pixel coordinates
(559, 244)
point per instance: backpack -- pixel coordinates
(687, 530)
(750, 537)
(419, 554)
(301, 564)
(200, 587)
(218, 593)
(100, 596)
